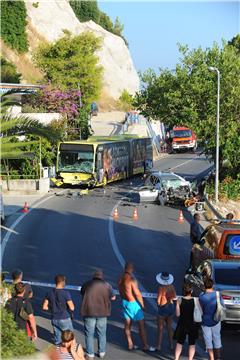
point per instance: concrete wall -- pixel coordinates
(44, 118)
(27, 186)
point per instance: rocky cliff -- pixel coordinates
(49, 19)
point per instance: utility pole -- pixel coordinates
(217, 132)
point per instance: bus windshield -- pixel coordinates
(76, 158)
(181, 133)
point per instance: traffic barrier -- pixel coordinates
(76, 288)
(135, 214)
(115, 213)
(180, 217)
(25, 208)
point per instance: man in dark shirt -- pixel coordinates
(196, 235)
(96, 307)
(60, 304)
(17, 277)
(18, 302)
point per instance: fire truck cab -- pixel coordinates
(183, 138)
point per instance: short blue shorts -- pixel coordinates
(166, 310)
(132, 310)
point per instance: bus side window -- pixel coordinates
(99, 160)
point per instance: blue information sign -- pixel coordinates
(235, 245)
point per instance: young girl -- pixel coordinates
(69, 349)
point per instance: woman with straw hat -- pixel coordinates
(166, 307)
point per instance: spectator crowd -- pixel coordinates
(97, 294)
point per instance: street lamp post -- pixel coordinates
(217, 132)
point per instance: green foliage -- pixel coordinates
(105, 22)
(13, 24)
(9, 72)
(125, 102)
(36, 4)
(118, 27)
(22, 125)
(85, 10)
(235, 42)
(78, 127)
(14, 342)
(229, 188)
(188, 96)
(71, 62)
(88, 10)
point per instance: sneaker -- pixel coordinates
(89, 356)
(102, 355)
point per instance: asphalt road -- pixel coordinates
(75, 236)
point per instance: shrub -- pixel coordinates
(88, 10)
(9, 72)
(13, 24)
(14, 342)
(125, 102)
(71, 62)
(85, 10)
(228, 188)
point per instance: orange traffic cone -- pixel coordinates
(115, 213)
(135, 214)
(180, 217)
(25, 208)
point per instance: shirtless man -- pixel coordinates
(133, 307)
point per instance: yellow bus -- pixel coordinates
(102, 159)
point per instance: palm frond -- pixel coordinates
(22, 124)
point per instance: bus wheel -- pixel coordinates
(104, 180)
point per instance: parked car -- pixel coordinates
(165, 187)
(226, 277)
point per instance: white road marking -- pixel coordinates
(185, 162)
(122, 262)
(118, 254)
(8, 229)
(18, 220)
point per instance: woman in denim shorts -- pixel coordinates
(166, 306)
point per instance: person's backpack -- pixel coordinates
(16, 307)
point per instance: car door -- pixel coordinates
(149, 192)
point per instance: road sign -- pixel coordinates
(235, 245)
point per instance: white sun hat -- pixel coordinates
(164, 278)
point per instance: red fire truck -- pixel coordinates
(183, 138)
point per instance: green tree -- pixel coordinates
(85, 10)
(105, 22)
(13, 24)
(14, 342)
(125, 101)
(71, 62)
(12, 127)
(235, 42)
(188, 96)
(88, 10)
(9, 72)
(118, 27)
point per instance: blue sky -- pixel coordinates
(153, 29)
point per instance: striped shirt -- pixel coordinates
(64, 355)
